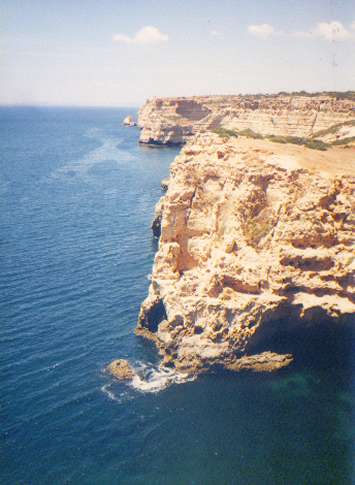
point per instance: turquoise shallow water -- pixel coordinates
(77, 195)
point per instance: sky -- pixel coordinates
(121, 52)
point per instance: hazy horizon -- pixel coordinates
(118, 53)
(136, 106)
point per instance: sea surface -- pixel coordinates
(77, 195)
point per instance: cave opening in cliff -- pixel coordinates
(155, 316)
(320, 344)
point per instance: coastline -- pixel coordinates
(233, 205)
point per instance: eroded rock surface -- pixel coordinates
(121, 369)
(172, 121)
(251, 233)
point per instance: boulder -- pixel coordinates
(121, 369)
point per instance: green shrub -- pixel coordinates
(297, 140)
(344, 141)
(277, 138)
(225, 133)
(316, 145)
(333, 129)
(312, 143)
(250, 134)
(334, 94)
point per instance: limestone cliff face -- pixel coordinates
(175, 120)
(251, 236)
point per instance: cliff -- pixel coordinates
(165, 121)
(256, 237)
(255, 229)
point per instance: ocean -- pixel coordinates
(77, 196)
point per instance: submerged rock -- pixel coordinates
(121, 369)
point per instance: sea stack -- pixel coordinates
(129, 121)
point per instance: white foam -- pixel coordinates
(152, 379)
(106, 389)
(148, 378)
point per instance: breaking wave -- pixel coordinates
(149, 378)
(120, 397)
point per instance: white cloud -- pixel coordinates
(146, 35)
(261, 30)
(331, 31)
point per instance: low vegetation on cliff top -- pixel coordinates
(309, 143)
(333, 129)
(350, 95)
(345, 141)
(313, 142)
(334, 94)
(225, 133)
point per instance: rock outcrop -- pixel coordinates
(172, 121)
(129, 121)
(121, 369)
(254, 237)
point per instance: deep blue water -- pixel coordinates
(77, 195)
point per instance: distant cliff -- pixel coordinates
(173, 121)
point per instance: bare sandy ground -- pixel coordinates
(334, 161)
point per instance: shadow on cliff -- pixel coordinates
(322, 344)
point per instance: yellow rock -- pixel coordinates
(174, 120)
(262, 233)
(121, 369)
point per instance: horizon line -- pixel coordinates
(140, 103)
(91, 106)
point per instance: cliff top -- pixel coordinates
(338, 95)
(334, 161)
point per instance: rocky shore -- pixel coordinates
(255, 237)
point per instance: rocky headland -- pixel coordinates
(172, 121)
(255, 237)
